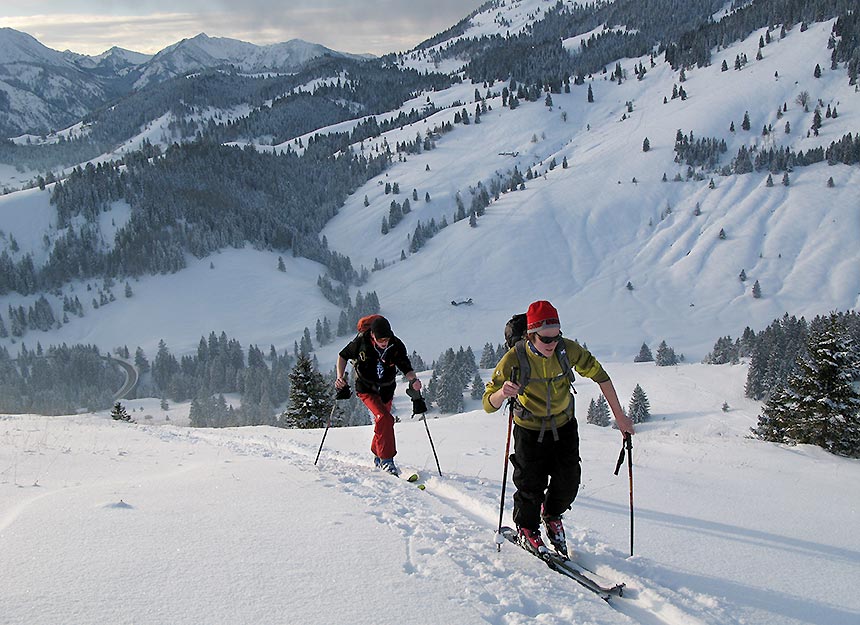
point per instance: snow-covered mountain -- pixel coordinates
(606, 220)
(45, 90)
(202, 52)
(117, 60)
(41, 88)
(18, 47)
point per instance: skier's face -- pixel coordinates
(381, 342)
(545, 341)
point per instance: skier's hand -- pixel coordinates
(509, 389)
(625, 424)
(340, 382)
(415, 383)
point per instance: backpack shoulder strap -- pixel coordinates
(523, 362)
(564, 360)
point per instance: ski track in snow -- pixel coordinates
(449, 529)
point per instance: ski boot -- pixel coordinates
(531, 541)
(555, 533)
(388, 465)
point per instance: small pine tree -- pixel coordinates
(756, 290)
(646, 145)
(665, 356)
(644, 354)
(639, 409)
(598, 412)
(477, 387)
(119, 413)
(310, 397)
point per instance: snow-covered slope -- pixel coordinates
(577, 235)
(239, 526)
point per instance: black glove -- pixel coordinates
(343, 393)
(419, 406)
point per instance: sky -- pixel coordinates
(356, 26)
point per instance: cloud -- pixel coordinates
(347, 25)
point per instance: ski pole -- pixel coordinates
(499, 538)
(343, 393)
(433, 447)
(419, 406)
(628, 446)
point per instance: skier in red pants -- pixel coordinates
(376, 355)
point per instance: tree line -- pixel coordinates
(58, 380)
(197, 198)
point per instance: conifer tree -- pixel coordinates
(310, 397)
(665, 356)
(644, 354)
(639, 409)
(477, 387)
(756, 290)
(598, 412)
(119, 413)
(488, 357)
(818, 404)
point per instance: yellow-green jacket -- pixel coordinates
(547, 384)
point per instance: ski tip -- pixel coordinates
(412, 478)
(421, 487)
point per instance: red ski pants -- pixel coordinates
(382, 445)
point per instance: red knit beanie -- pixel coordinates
(541, 315)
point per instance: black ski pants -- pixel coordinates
(546, 473)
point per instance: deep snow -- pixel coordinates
(102, 521)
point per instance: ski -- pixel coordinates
(569, 568)
(414, 478)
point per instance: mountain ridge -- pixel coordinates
(89, 82)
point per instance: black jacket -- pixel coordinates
(365, 356)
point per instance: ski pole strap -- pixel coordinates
(626, 445)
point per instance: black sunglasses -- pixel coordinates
(549, 339)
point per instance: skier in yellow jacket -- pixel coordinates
(546, 468)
